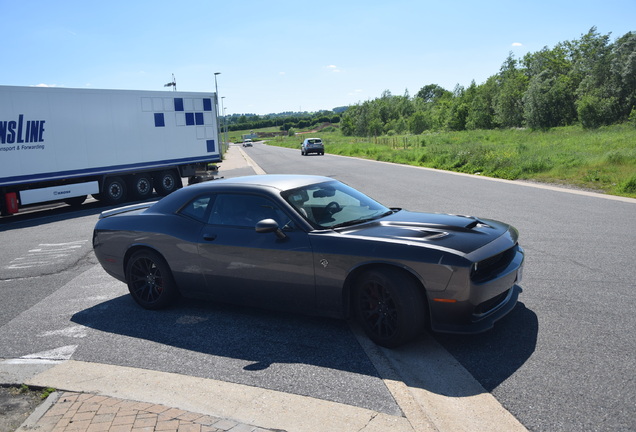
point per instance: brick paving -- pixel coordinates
(82, 412)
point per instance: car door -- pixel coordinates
(258, 269)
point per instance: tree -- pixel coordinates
(594, 111)
(481, 114)
(549, 101)
(512, 84)
(431, 93)
(458, 112)
(623, 74)
(419, 122)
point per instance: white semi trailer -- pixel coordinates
(63, 144)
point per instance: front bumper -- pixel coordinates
(480, 305)
(479, 323)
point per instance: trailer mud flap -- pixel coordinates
(11, 203)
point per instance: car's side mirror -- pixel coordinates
(268, 226)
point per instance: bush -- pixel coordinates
(595, 111)
(629, 186)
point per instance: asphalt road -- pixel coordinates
(562, 360)
(565, 358)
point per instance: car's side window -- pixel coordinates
(244, 210)
(197, 208)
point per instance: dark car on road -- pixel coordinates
(315, 245)
(312, 145)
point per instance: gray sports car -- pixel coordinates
(315, 245)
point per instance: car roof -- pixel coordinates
(280, 182)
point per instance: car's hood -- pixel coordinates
(463, 234)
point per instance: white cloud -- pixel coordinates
(517, 44)
(333, 68)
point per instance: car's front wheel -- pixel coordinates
(150, 280)
(389, 305)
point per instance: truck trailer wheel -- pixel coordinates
(114, 190)
(140, 186)
(167, 182)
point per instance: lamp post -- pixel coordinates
(224, 126)
(216, 102)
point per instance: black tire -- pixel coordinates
(150, 280)
(76, 201)
(114, 190)
(3, 207)
(389, 305)
(140, 186)
(167, 182)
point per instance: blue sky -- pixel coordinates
(277, 56)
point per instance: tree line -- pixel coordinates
(590, 81)
(283, 121)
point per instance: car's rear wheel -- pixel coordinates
(150, 280)
(389, 305)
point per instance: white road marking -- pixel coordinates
(61, 353)
(45, 253)
(73, 332)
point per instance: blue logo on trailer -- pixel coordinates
(21, 131)
(192, 118)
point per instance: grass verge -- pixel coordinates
(603, 159)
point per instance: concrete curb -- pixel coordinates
(31, 422)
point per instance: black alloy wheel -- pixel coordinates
(150, 280)
(389, 305)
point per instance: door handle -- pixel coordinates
(209, 237)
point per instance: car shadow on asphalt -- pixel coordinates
(263, 338)
(495, 355)
(257, 336)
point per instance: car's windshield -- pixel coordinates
(333, 204)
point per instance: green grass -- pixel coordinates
(603, 159)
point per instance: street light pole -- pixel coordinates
(224, 126)
(216, 104)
